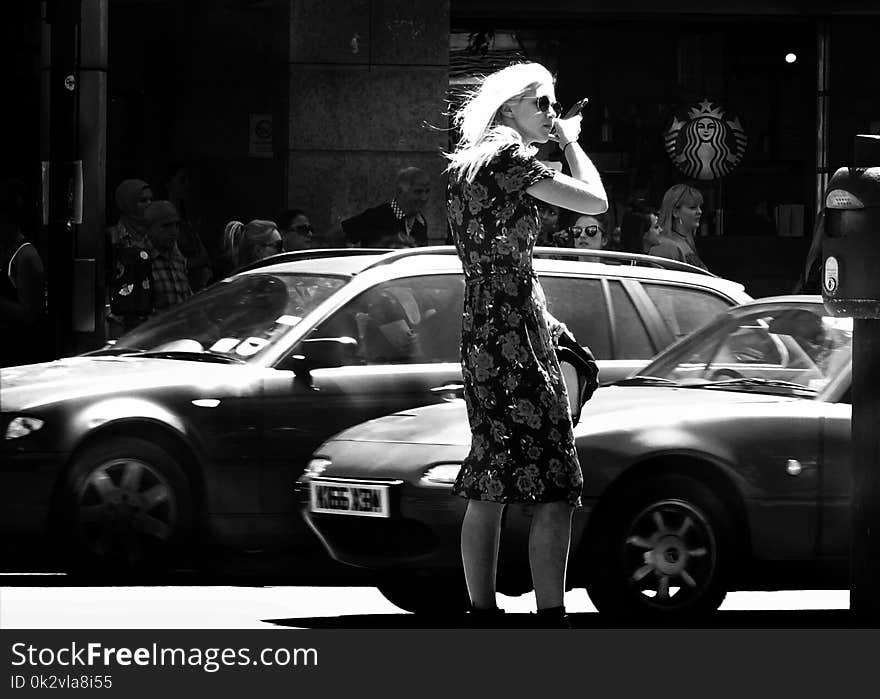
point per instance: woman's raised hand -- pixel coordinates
(567, 130)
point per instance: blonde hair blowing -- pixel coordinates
(482, 134)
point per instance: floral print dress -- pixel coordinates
(522, 447)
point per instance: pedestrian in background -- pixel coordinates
(255, 240)
(128, 269)
(640, 230)
(680, 214)
(178, 190)
(296, 229)
(22, 284)
(522, 447)
(588, 233)
(549, 215)
(399, 223)
(170, 278)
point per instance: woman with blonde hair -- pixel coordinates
(680, 214)
(246, 243)
(522, 447)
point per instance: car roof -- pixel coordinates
(352, 261)
(336, 263)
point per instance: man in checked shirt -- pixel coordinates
(170, 281)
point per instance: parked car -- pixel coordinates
(724, 464)
(198, 421)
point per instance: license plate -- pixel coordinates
(361, 499)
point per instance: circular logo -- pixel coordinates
(705, 142)
(70, 82)
(263, 129)
(831, 276)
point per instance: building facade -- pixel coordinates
(303, 103)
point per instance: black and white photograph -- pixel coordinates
(454, 336)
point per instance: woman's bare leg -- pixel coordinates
(549, 539)
(480, 540)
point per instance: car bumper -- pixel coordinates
(27, 484)
(423, 531)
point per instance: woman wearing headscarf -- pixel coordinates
(128, 262)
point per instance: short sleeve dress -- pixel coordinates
(522, 447)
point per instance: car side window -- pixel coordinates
(580, 304)
(403, 321)
(631, 339)
(684, 309)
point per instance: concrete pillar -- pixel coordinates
(89, 286)
(366, 97)
(73, 139)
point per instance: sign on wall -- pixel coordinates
(260, 137)
(705, 142)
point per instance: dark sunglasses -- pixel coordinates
(302, 229)
(544, 104)
(589, 231)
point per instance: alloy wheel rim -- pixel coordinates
(669, 555)
(125, 507)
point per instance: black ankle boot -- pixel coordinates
(552, 618)
(491, 618)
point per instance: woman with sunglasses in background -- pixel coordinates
(680, 215)
(246, 243)
(522, 448)
(296, 230)
(588, 233)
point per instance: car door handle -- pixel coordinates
(449, 391)
(793, 467)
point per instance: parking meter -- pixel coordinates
(851, 287)
(851, 243)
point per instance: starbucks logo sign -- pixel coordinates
(705, 142)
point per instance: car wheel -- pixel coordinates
(426, 594)
(127, 506)
(660, 551)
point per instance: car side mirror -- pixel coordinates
(325, 353)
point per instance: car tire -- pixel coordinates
(127, 507)
(660, 552)
(426, 594)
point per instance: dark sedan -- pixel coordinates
(196, 422)
(722, 465)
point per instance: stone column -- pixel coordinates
(366, 97)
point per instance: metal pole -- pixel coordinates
(65, 171)
(823, 102)
(864, 601)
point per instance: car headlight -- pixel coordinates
(22, 426)
(316, 467)
(442, 475)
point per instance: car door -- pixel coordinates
(681, 309)
(407, 334)
(602, 316)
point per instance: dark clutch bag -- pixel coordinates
(580, 371)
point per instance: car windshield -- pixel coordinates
(238, 318)
(790, 349)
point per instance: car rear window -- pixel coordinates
(684, 309)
